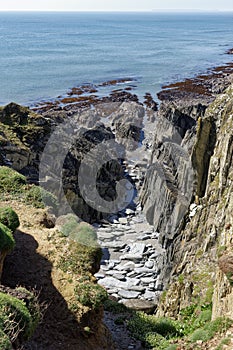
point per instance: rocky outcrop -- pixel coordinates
(196, 276)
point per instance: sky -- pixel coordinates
(115, 5)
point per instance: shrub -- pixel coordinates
(200, 334)
(11, 180)
(9, 218)
(39, 198)
(32, 304)
(141, 325)
(156, 341)
(220, 325)
(91, 295)
(15, 318)
(194, 317)
(7, 241)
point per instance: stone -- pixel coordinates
(149, 264)
(99, 275)
(129, 266)
(119, 276)
(123, 221)
(109, 282)
(134, 257)
(128, 294)
(140, 305)
(137, 288)
(144, 237)
(114, 245)
(105, 236)
(149, 295)
(129, 211)
(137, 248)
(147, 280)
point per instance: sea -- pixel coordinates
(44, 54)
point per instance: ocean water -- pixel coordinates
(42, 55)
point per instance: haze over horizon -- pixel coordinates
(116, 5)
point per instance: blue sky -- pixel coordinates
(115, 5)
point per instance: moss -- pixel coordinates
(7, 241)
(9, 218)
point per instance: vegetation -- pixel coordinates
(115, 307)
(9, 218)
(16, 321)
(7, 241)
(194, 324)
(11, 180)
(90, 294)
(40, 198)
(80, 259)
(14, 186)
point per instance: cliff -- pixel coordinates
(199, 251)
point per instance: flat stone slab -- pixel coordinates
(137, 248)
(133, 257)
(128, 294)
(147, 280)
(119, 276)
(140, 305)
(129, 266)
(114, 245)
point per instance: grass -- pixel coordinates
(80, 259)
(40, 198)
(13, 185)
(10, 180)
(161, 333)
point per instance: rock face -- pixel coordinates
(206, 235)
(24, 134)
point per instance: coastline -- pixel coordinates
(201, 86)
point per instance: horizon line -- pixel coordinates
(127, 11)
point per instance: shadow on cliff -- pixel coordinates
(25, 267)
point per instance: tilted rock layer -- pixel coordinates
(201, 253)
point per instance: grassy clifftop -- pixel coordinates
(58, 267)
